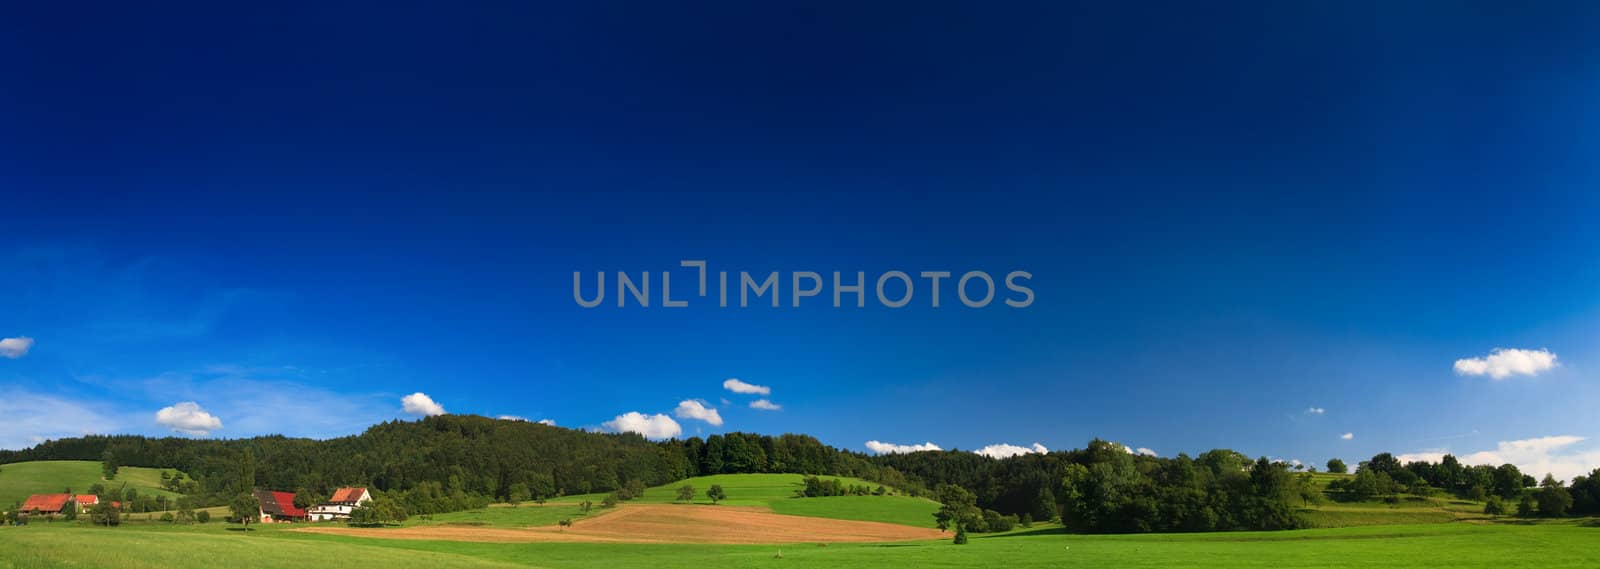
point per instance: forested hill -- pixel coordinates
(454, 459)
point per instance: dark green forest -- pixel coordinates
(456, 462)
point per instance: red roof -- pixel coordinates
(348, 494)
(282, 504)
(88, 499)
(46, 502)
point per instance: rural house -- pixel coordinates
(278, 507)
(86, 501)
(47, 504)
(343, 502)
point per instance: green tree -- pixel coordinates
(1494, 507)
(635, 488)
(1337, 466)
(518, 493)
(244, 508)
(203, 516)
(105, 514)
(1554, 499)
(716, 494)
(610, 501)
(957, 508)
(1526, 507)
(961, 535)
(686, 493)
(168, 517)
(108, 464)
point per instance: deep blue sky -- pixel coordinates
(293, 216)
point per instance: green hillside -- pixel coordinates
(775, 491)
(22, 479)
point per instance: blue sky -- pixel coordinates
(1233, 215)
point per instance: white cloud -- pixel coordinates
(188, 418)
(1503, 363)
(695, 409)
(512, 418)
(14, 348)
(420, 404)
(1004, 450)
(656, 426)
(765, 405)
(1347, 436)
(733, 384)
(890, 448)
(547, 422)
(1316, 411)
(31, 419)
(1535, 457)
(1142, 451)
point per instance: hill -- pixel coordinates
(22, 479)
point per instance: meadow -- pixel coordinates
(20, 480)
(1451, 533)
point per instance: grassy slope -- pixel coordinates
(775, 491)
(22, 479)
(1552, 545)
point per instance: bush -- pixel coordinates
(1494, 507)
(610, 500)
(168, 517)
(203, 516)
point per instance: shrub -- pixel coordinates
(168, 517)
(1494, 507)
(203, 516)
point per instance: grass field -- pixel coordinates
(22, 479)
(1415, 532)
(1554, 545)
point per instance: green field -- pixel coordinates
(22, 479)
(1554, 545)
(1416, 532)
(774, 491)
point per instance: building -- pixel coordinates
(339, 507)
(45, 504)
(86, 501)
(279, 507)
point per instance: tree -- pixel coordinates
(685, 493)
(610, 500)
(244, 508)
(1554, 499)
(203, 516)
(108, 464)
(378, 511)
(168, 517)
(957, 508)
(961, 535)
(71, 513)
(1494, 507)
(518, 493)
(105, 514)
(304, 498)
(1337, 466)
(635, 488)
(1526, 507)
(716, 494)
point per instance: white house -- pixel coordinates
(344, 501)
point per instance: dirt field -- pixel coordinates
(665, 523)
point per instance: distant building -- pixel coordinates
(339, 507)
(86, 501)
(279, 507)
(46, 504)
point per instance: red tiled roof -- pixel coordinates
(279, 504)
(46, 502)
(347, 494)
(88, 499)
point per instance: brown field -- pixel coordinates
(665, 523)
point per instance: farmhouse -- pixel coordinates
(343, 502)
(47, 504)
(86, 501)
(278, 507)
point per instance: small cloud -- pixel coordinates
(13, 348)
(733, 384)
(1142, 451)
(765, 405)
(512, 418)
(1316, 411)
(547, 422)
(188, 418)
(890, 448)
(1003, 450)
(656, 426)
(696, 409)
(1347, 436)
(420, 404)
(1503, 363)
